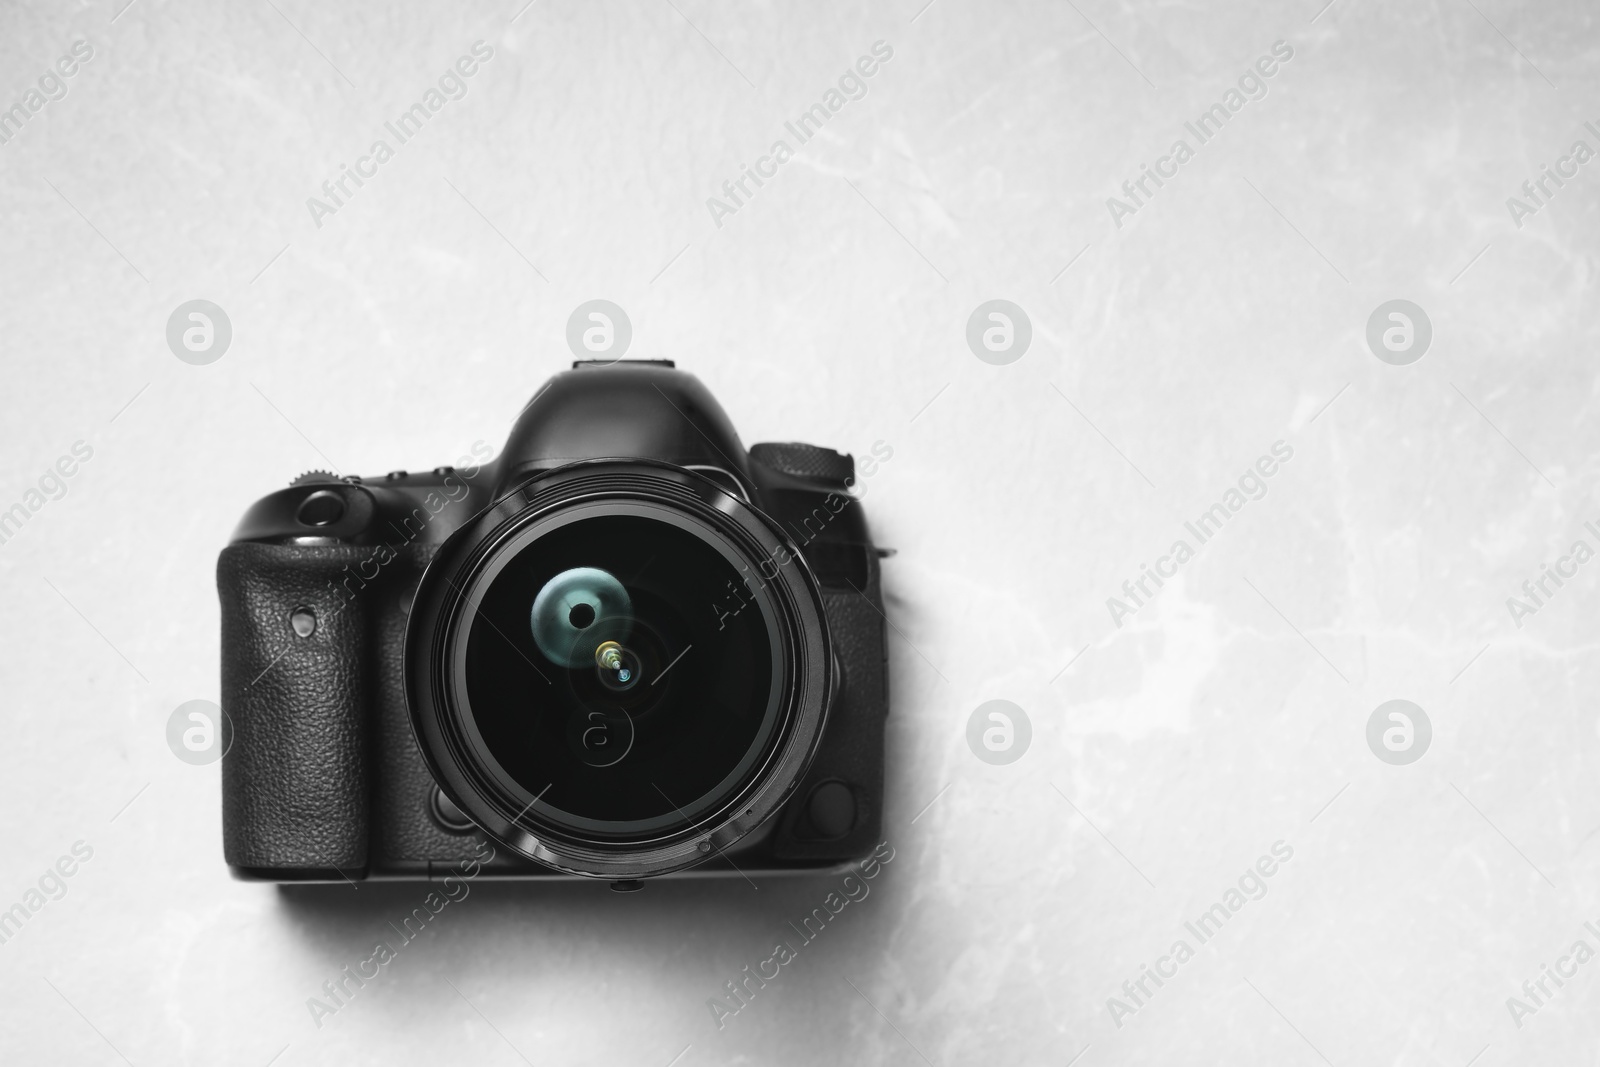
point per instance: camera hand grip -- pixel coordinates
(295, 780)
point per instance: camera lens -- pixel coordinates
(618, 669)
(609, 662)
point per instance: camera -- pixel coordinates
(627, 647)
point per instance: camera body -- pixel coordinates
(355, 696)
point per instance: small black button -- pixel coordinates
(832, 810)
(631, 885)
(446, 814)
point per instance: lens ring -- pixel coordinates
(673, 807)
(517, 816)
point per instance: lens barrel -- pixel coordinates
(619, 669)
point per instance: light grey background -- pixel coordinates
(1228, 314)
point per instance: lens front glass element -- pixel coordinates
(619, 669)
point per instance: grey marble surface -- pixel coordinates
(1173, 345)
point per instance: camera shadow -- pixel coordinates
(719, 905)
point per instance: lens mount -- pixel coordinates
(760, 738)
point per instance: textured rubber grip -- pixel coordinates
(295, 782)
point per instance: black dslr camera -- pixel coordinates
(625, 647)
